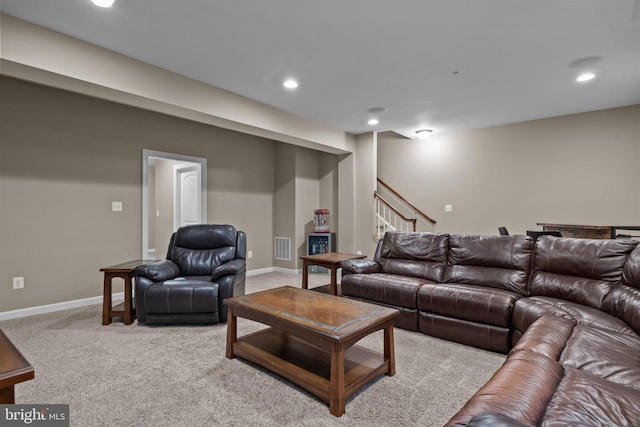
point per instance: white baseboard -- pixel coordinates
(116, 298)
(49, 308)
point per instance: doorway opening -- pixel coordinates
(174, 193)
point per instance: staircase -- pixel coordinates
(392, 213)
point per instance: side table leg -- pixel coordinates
(106, 300)
(305, 275)
(128, 304)
(334, 280)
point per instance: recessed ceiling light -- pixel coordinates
(424, 133)
(373, 122)
(585, 77)
(103, 3)
(290, 84)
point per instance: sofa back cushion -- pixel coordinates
(413, 254)
(199, 249)
(494, 261)
(631, 271)
(624, 300)
(580, 270)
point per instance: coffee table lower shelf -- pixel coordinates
(309, 366)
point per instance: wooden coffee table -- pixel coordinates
(311, 340)
(14, 369)
(329, 260)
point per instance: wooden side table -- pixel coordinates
(125, 272)
(329, 260)
(14, 368)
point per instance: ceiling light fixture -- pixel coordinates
(377, 110)
(585, 77)
(290, 84)
(424, 133)
(103, 3)
(373, 122)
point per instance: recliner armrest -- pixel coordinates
(359, 266)
(158, 271)
(235, 266)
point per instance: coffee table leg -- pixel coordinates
(337, 399)
(389, 350)
(232, 332)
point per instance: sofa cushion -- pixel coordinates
(468, 302)
(528, 310)
(414, 254)
(609, 355)
(385, 288)
(583, 271)
(583, 399)
(492, 261)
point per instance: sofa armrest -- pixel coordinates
(359, 266)
(235, 266)
(158, 270)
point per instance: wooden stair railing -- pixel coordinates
(389, 218)
(405, 201)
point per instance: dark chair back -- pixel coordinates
(503, 231)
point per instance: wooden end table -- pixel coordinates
(329, 260)
(125, 272)
(14, 368)
(312, 340)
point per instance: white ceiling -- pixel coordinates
(447, 65)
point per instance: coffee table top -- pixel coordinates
(317, 312)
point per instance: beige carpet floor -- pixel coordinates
(134, 375)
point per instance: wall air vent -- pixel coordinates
(283, 248)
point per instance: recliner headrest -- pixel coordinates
(205, 236)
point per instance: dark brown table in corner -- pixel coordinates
(125, 272)
(14, 369)
(312, 340)
(329, 260)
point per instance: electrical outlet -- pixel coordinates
(250, 254)
(18, 282)
(358, 252)
(448, 208)
(116, 206)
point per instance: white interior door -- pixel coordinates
(187, 204)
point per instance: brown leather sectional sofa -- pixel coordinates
(566, 311)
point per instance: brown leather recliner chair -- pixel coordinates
(205, 265)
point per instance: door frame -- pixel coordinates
(147, 158)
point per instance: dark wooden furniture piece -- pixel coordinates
(331, 261)
(588, 231)
(14, 369)
(311, 340)
(125, 272)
